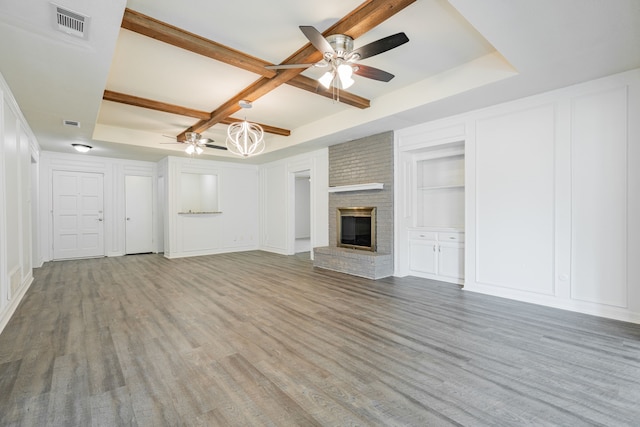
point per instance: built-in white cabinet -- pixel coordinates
(551, 206)
(437, 255)
(436, 216)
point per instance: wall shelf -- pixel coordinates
(441, 187)
(356, 187)
(198, 213)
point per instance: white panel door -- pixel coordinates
(139, 214)
(78, 226)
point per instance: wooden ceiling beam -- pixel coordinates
(150, 27)
(267, 128)
(136, 101)
(364, 18)
(147, 26)
(311, 85)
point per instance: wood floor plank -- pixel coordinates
(255, 338)
(69, 397)
(35, 374)
(271, 400)
(309, 396)
(104, 371)
(112, 408)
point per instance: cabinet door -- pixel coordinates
(423, 256)
(451, 260)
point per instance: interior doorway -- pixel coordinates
(139, 214)
(302, 211)
(78, 227)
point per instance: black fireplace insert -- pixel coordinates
(356, 228)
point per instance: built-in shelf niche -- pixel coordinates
(198, 193)
(439, 187)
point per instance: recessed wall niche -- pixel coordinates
(198, 193)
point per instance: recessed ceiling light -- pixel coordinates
(82, 147)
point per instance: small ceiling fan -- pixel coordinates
(195, 143)
(342, 59)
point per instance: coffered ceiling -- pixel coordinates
(149, 70)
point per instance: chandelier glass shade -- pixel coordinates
(193, 148)
(343, 72)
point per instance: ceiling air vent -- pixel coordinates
(71, 22)
(72, 123)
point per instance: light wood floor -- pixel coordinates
(261, 339)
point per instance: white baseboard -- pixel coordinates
(593, 309)
(8, 311)
(210, 252)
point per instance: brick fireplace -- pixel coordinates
(363, 161)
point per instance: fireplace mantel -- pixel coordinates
(356, 187)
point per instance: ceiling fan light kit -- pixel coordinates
(245, 138)
(192, 148)
(196, 143)
(341, 58)
(327, 79)
(345, 72)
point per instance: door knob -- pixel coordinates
(99, 219)
(128, 219)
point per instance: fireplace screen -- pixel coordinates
(356, 228)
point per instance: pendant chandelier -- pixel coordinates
(245, 138)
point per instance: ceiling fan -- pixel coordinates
(342, 59)
(195, 143)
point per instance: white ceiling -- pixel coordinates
(462, 55)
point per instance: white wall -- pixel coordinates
(233, 229)
(552, 196)
(114, 172)
(250, 199)
(18, 147)
(514, 161)
(277, 201)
